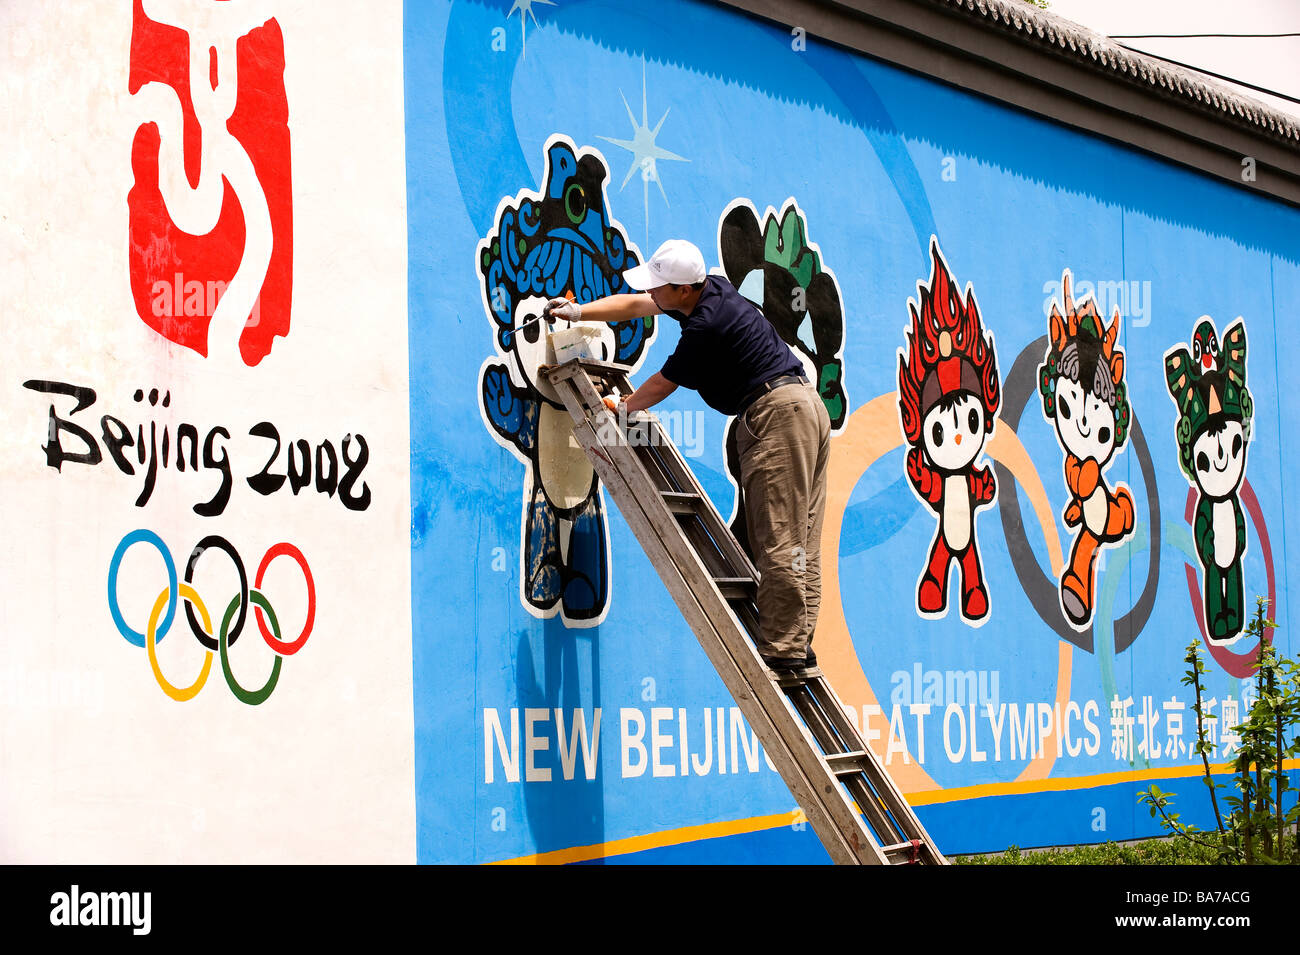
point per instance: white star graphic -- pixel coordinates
(645, 153)
(525, 8)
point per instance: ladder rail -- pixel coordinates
(762, 705)
(892, 797)
(831, 813)
(712, 520)
(669, 457)
(890, 815)
(884, 828)
(666, 455)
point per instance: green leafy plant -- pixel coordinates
(1256, 831)
(1165, 851)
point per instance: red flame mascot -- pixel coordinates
(948, 397)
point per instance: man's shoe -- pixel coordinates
(785, 664)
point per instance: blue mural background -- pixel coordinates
(878, 160)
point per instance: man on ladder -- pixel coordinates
(735, 359)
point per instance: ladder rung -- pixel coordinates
(681, 502)
(598, 369)
(789, 679)
(908, 851)
(735, 586)
(845, 764)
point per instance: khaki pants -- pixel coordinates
(783, 442)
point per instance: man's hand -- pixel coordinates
(612, 402)
(563, 308)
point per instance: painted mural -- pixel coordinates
(1004, 613)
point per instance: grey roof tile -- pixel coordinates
(1076, 42)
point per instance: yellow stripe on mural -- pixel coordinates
(736, 827)
(655, 840)
(1019, 788)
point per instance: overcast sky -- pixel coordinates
(1271, 63)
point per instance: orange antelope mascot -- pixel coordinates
(1082, 384)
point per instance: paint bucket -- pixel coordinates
(579, 341)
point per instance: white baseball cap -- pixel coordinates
(676, 262)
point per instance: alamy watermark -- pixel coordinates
(642, 429)
(1131, 297)
(945, 687)
(176, 297)
(77, 907)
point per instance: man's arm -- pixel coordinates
(654, 390)
(611, 308)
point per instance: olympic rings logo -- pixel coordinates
(160, 623)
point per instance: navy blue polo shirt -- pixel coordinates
(727, 348)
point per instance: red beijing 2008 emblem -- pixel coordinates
(211, 207)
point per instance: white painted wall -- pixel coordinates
(96, 763)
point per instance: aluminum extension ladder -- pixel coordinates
(854, 807)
